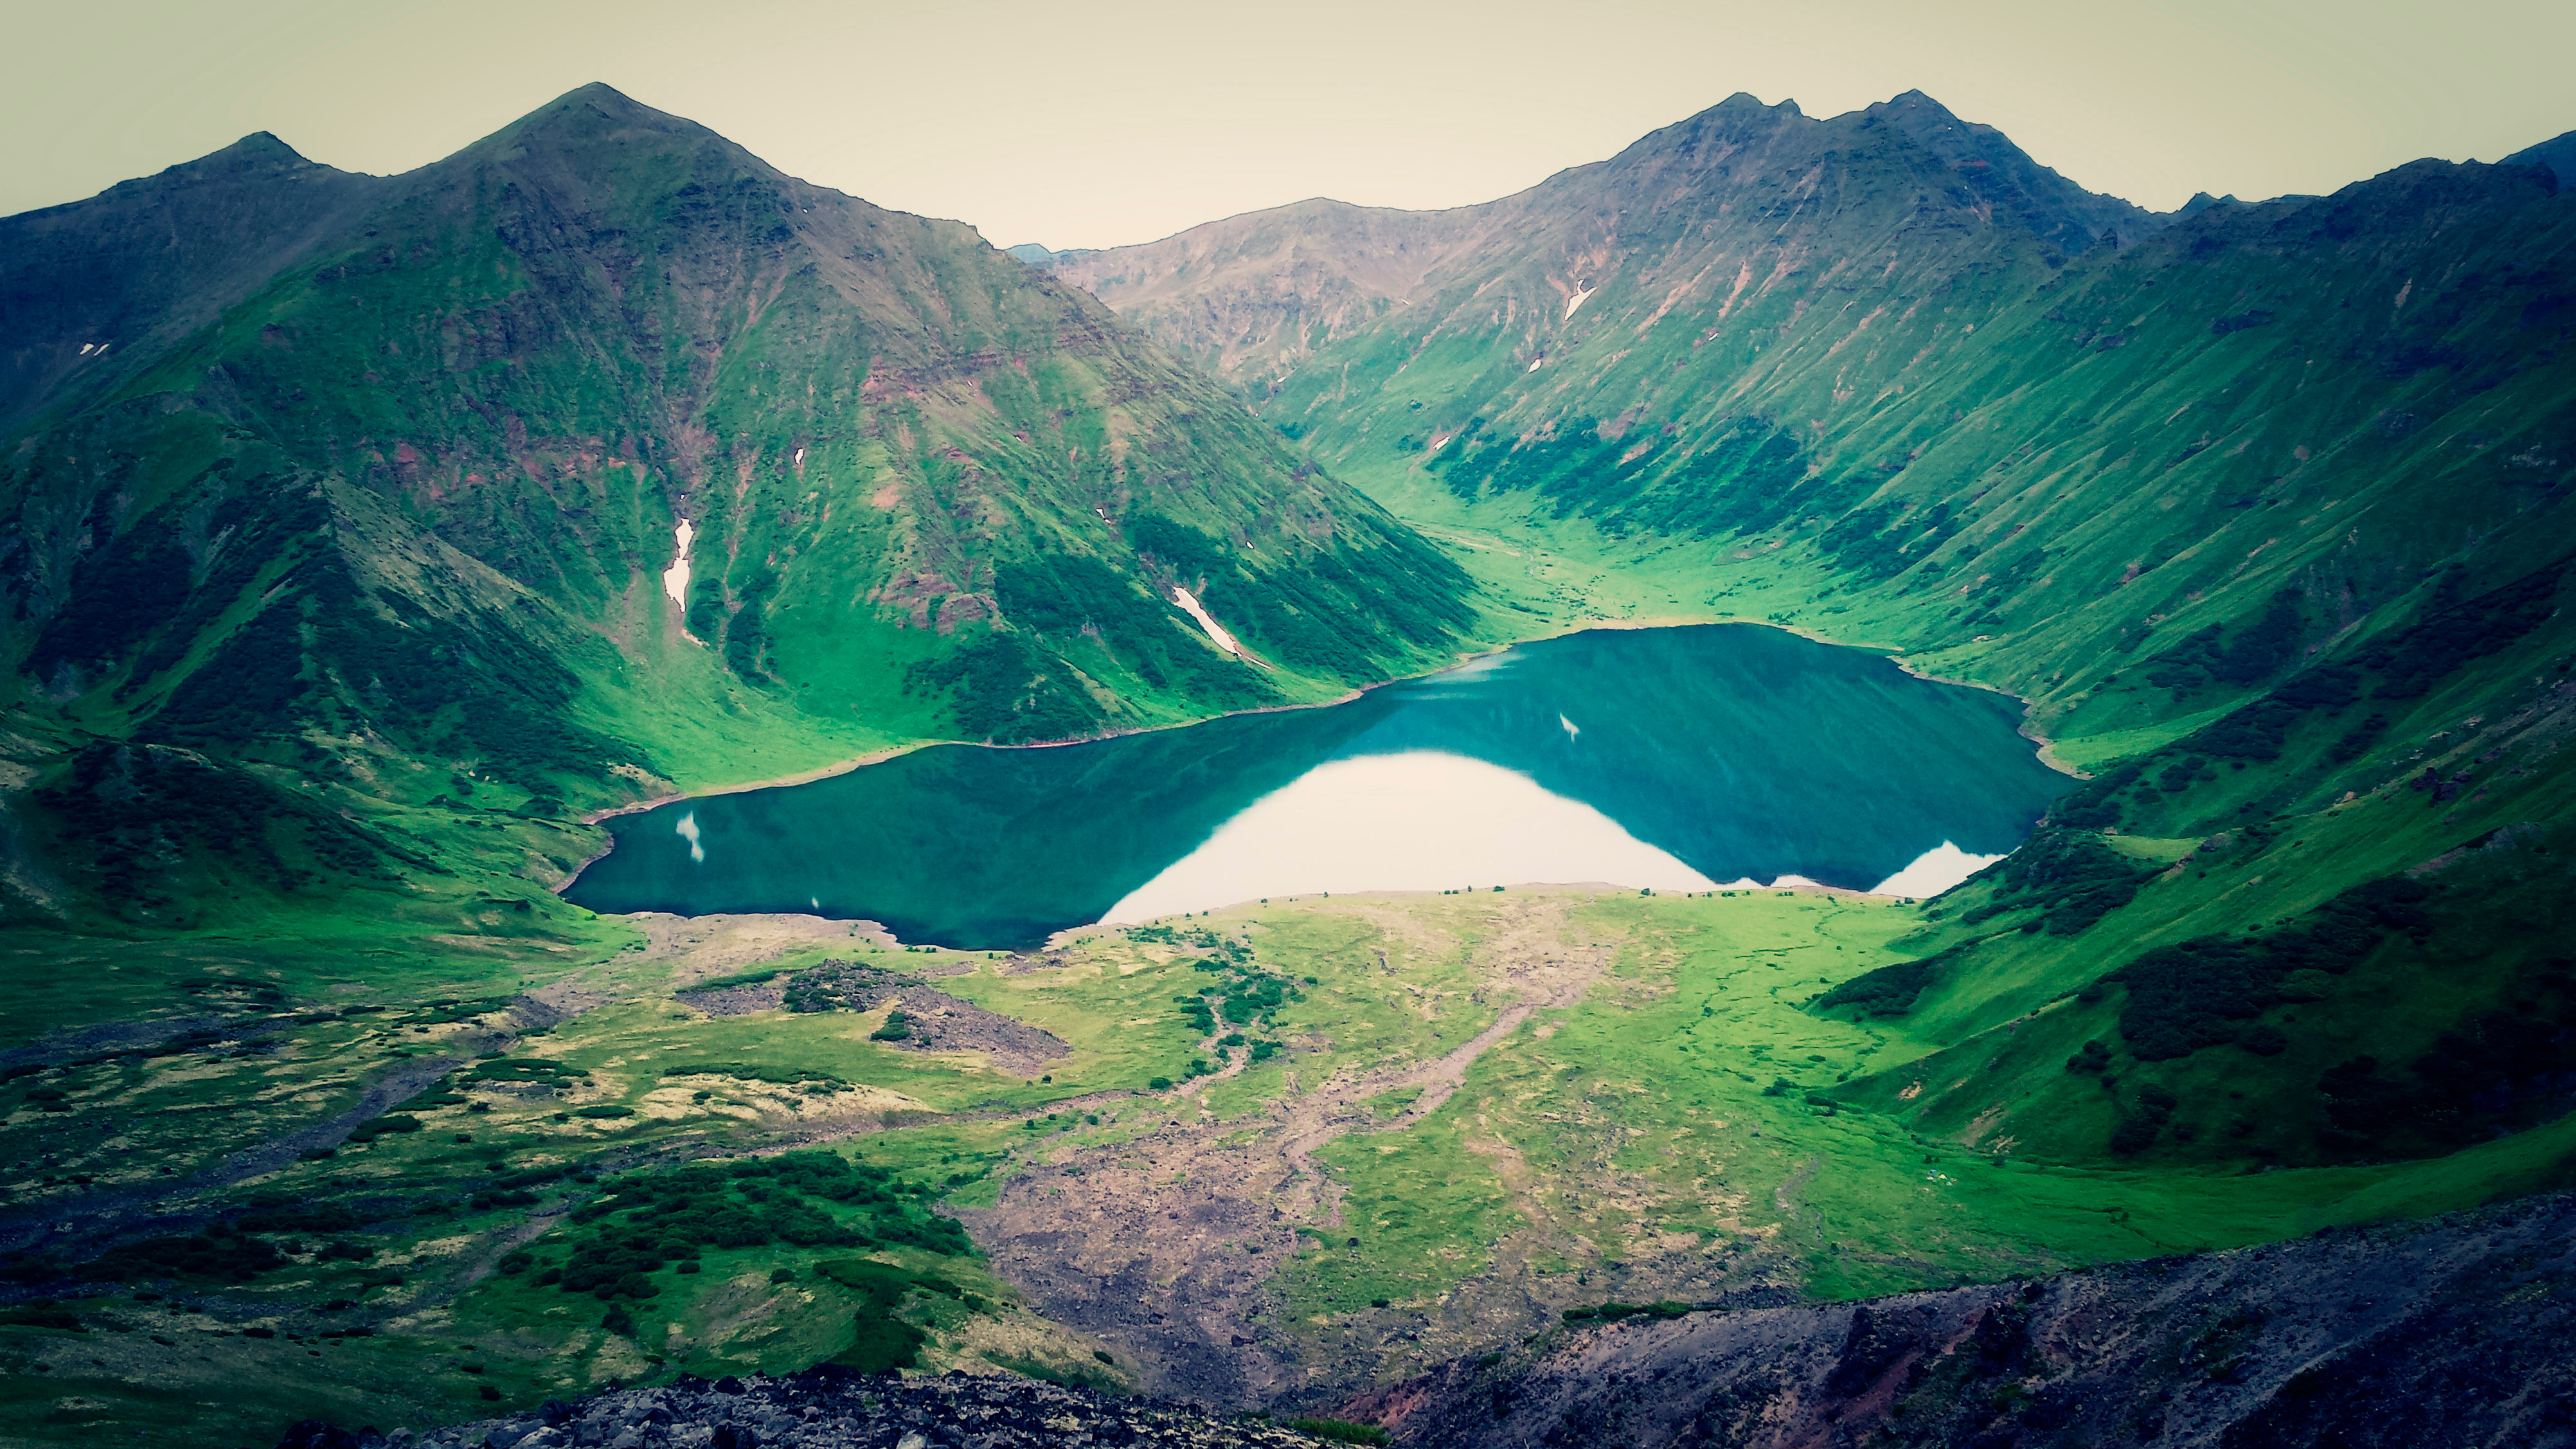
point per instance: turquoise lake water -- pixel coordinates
(1677, 759)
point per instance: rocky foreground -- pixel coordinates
(833, 1409)
(2459, 1332)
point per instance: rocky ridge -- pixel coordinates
(2456, 1332)
(830, 1408)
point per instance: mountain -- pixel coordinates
(1270, 286)
(390, 542)
(92, 290)
(364, 448)
(2264, 507)
(1724, 205)
(1037, 255)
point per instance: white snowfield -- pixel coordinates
(1215, 630)
(1581, 296)
(675, 579)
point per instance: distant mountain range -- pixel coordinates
(1252, 294)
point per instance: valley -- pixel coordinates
(347, 618)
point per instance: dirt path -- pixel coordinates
(1167, 1245)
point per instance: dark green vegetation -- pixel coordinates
(641, 1223)
(1340, 1431)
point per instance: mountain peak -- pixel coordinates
(589, 126)
(607, 100)
(1922, 116)
(588, 114)
(258, 153)
(257, 146)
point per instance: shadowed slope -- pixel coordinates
(926, 492)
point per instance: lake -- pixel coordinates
(1677, 759)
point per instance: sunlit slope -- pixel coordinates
(2266, 513)
(406, 518)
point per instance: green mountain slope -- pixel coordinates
(401, 519)
(2265, 510)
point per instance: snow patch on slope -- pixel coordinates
(1215, 630)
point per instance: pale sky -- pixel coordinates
(1125, 120)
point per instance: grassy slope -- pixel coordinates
(1624, 1146)
(2340, 416)
(390, 532)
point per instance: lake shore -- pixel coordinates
(2027, 727)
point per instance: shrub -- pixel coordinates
(42, 1318)
(1613, 1312)
(1891, 990)
(2192, 995)
(219, 1255)
(2138, 1130)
